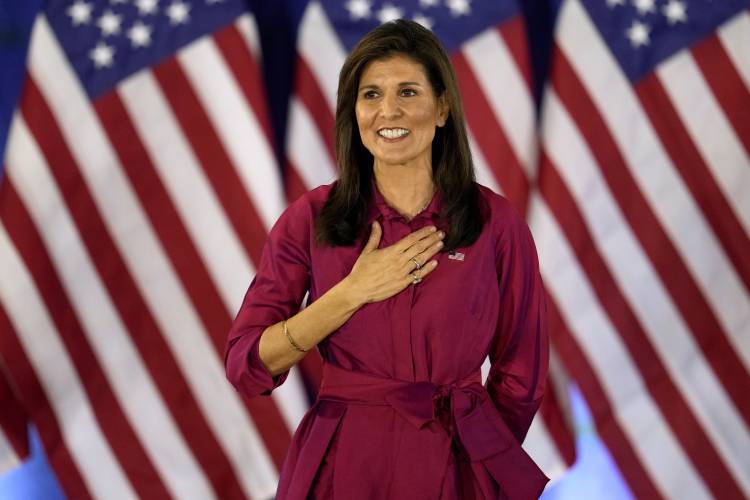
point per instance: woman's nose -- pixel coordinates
(390, 106)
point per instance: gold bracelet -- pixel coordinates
(290, 339)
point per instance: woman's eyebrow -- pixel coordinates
(401, 84)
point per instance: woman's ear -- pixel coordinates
(443, 110)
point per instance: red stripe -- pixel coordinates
(657, 380)
(120, 435)
(213, 158)
(698, 178)
(163, 215)
(726, 84)
(13, 418)
(557, 425)
(241, 212)
(513, 33)
(490, 136)
(308, 91)
(116, 277)
(293, 185)
(190, 268)
(608, 427)
(40, 410)
(241, 62)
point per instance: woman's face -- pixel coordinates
(397, 111)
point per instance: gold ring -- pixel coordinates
(419, 266)
(414, 278)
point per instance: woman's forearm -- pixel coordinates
(308, 327)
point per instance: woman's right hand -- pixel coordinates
(380, 273)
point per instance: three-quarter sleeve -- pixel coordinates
(275, 294)
(519, 352)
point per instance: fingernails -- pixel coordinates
(441, 234)
(433, 229)
(439, 244)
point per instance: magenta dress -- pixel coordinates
(401, 412)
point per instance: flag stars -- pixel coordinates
(140, 35)
(80, 12)
(178, 13)
(614, 3)
(146, 7)
(424, 21)
(459, 7)
(109, 23)
(645, 6)
(389, 12)
(675, 12)
(428, 3)
(103, 55)
(359, 9)
(639, 34)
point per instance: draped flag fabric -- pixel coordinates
(14, 442)
(643, 228)
(487, 43)
(139, 184)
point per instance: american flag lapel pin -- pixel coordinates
(456, 256)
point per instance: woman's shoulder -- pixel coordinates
(308, 204)
(499, 209)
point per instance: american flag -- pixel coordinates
(139, 184)
(642, 223)
(487, 43)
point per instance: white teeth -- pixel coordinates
(392, 133)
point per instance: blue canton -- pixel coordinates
(108, 40)
(453, 21)
(643, 33)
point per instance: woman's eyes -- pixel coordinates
(405, 92)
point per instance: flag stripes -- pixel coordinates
(149, 228)
(648, 185)
(37, 403)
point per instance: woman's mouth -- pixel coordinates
(393, 134)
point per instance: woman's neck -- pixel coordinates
(408, 190)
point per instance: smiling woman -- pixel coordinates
(397, 114)
(405, 314)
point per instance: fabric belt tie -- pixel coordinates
(463, 408)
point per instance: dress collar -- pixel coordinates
(379, 208)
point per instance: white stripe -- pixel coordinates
(709, 130)
(539, 442)
(306, 148)
(635, 411)
(153, 274)
(321, 49)
(541, 448)
(482, 171)
(118, 357)
(505, 88)
(239, 131)
(643, 290)
(81, 432)
(8, 458)
(735, 37)
(248, 28)
(209, 229)
(655, 175)
(188, 187)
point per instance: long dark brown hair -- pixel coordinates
(343, 218)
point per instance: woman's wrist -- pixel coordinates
(349, 294)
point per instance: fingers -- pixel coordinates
(421, 273)
(374, 240)
(409, 240)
